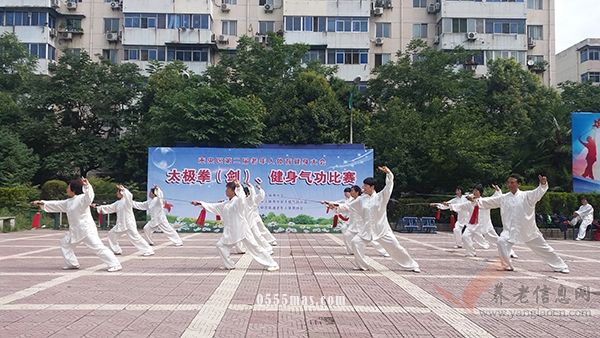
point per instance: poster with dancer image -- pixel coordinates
(294, 179)
(586, 135)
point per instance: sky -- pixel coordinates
(575, 21)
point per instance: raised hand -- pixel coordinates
(196, 203)
(497, 188)
(543, 180)
(85, 181)
(384, 169)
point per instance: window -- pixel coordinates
(229, 27)
(74, 51)
(230, 2)
(590, 53)
(73, 25)
(148, 20)
(349, 57)
(504, 26)
(200, 21)
(535, 32)
(314, 56)
(187, 54)
(131, 54)
(110, 55)
(36, 49)
(459, 25)
(111, 25)
(265, 27)
(505, 54)
(383, 29)
(23, 18)
(419, 3)
(51, 53)
(475, 25)
(591, 77)
(382, 59)
(535, 4)
(132, 20)
(420, 30)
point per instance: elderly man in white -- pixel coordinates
(236, 228)
(82, 228)
(125, 224)
(585, 214)
(371, 207)
(517, 210)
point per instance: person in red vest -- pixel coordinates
(590, 158)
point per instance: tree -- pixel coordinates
(18, 163)
(16, 64)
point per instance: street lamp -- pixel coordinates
(356, 81)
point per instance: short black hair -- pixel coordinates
(517, 177)
(76, 186)
(153, 191)
(583, 198)
(369, 181)
(347, 189)
(357, 189)
(462, 191)
(230, 185)
(479, 188)
(247, 191)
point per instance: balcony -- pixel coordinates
(159, 37)
(327, 8)
(196, 67)
(29, 33)
(351, 40)
(168, 6)
(480, 41)
(26, 3)
(472, 9)
(351, 72)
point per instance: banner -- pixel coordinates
(586, 135)
(294, 178)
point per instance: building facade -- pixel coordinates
(579, 63)
(354, 35)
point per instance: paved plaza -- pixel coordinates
(182, 292)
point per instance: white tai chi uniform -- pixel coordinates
(258, 198)
(352, 228)
(518, 219)
(253, 218)
(585, 214)
(125, 224)
(464, 213)
(158, 219)
(236, 229)
(82, 228)
(372, 210)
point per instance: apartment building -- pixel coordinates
(354, 35)
(579, 63)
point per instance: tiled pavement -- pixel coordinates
(182, 292)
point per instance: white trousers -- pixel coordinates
(258, 254)
(491, 233)
(390, 243)
(167, 229)
(582, 227)
(458, 227)
(94, 243)
(260, 239)
(134, 237)
(266, 233)
(537, 245)
(349, 235)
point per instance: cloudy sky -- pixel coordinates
(575, 21)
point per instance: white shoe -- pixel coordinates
(509, 268)
(514, 256)
(118, 253)
(577, 239)
(146, 254)
(273, 268)
(274, 243)
(565, 271)
(114, 269)
(356, 268)
(71, 267)
(457, 247)
(417, 270)
(179, 244)
(226, 268)
(386, 255)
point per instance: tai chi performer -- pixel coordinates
(258, 198)
(158, 219)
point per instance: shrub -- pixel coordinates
(54, 190)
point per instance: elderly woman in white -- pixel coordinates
(82, 228)
(236, 228)
(158, 219)
(517, 210)
(125, 223)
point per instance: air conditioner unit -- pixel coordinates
(388, 4)
(223, 39)
(379, 42)
(268, 8)
(116, 4)
(438, 7)
(52, 32)
(377, 11)
(55, 3)
(71, 5)
(112, 36)
(261, 38)
(530, 43)
(436, 40)
(431, 9)
(225, 8)
(66, 36)
(471, 36)
(530, 63)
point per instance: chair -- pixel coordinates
(410, 224)
(428, 224)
